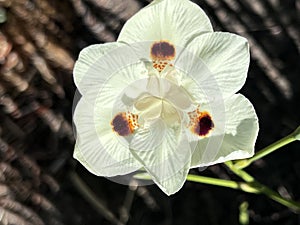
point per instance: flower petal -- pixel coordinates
(88, 57)
(174, 183)
(97, 147)
(121, 88)
(241, 129)
(194, 78)
(177, 21)
(98, 63)
(164, 152)
(227, 58)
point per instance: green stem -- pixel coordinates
(243, 163)
(251, 187)
(276, 197)
(223, 183)
(209, 180)
(239, 172)
(260, 188)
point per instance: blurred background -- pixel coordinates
(40, 183)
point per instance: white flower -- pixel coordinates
(162, 98)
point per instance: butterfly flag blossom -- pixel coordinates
(162, 98)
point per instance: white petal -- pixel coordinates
(177, 21)
(88, 57)
(122, 87)
(241, 129)
(174, 183)
(97, 147)
(194, 79)
(164, 153)
(98, 63)
(226, 57)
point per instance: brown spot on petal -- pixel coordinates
(162, 50)
(205, 125)
(124, 124)
(201, 123)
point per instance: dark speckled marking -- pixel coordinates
(204, 126)
(121, 125)
(162, 50)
